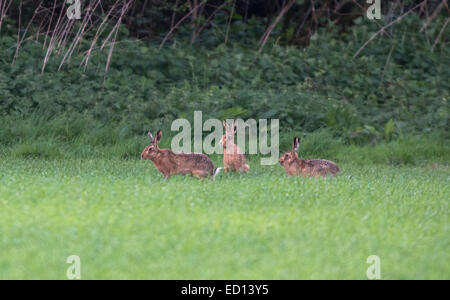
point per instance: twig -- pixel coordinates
(208, 21)
(386, 65)
(18, 32)
(174, 14)
(440, 34)
(305, 17)
(52, 42)
(4, 7)
(116, 28)
(313, 8)
(49, 24)
(274, 23)
(433, 15)
(19, 43)
(195, 20)
(110, 52)
(229, 22)
(384, 28)
(178, 24)
(100, 30)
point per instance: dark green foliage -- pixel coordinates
(366, 99)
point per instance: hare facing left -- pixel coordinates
(233, 158)
(170, 163)
(294, 165)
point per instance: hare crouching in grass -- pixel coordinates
(170, 163)
(306, 167)
(233, 158)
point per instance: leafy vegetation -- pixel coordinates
(397, 85)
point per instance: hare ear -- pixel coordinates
(295, 144)
(158, 136)
(224, 123)
(150, 136)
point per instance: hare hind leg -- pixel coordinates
(245, 168)
(200, 174)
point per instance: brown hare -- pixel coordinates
(306, 167)
(170, 163)
(233, 158)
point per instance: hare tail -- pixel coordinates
(216, 171)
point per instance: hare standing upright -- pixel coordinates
(307, 167)
(233, 158)
(170, 163)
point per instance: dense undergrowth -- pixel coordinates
(396, 88)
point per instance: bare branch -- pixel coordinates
(440, 34)
(229, 22)
(274, 23)
(178, 24)
(382, 30)
(4, 7)
(433, 15)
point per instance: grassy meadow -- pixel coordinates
(126, 222)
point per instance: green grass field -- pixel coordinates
(126, 222)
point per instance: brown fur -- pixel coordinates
(170, 163)
(233, 158)
(306, 167)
